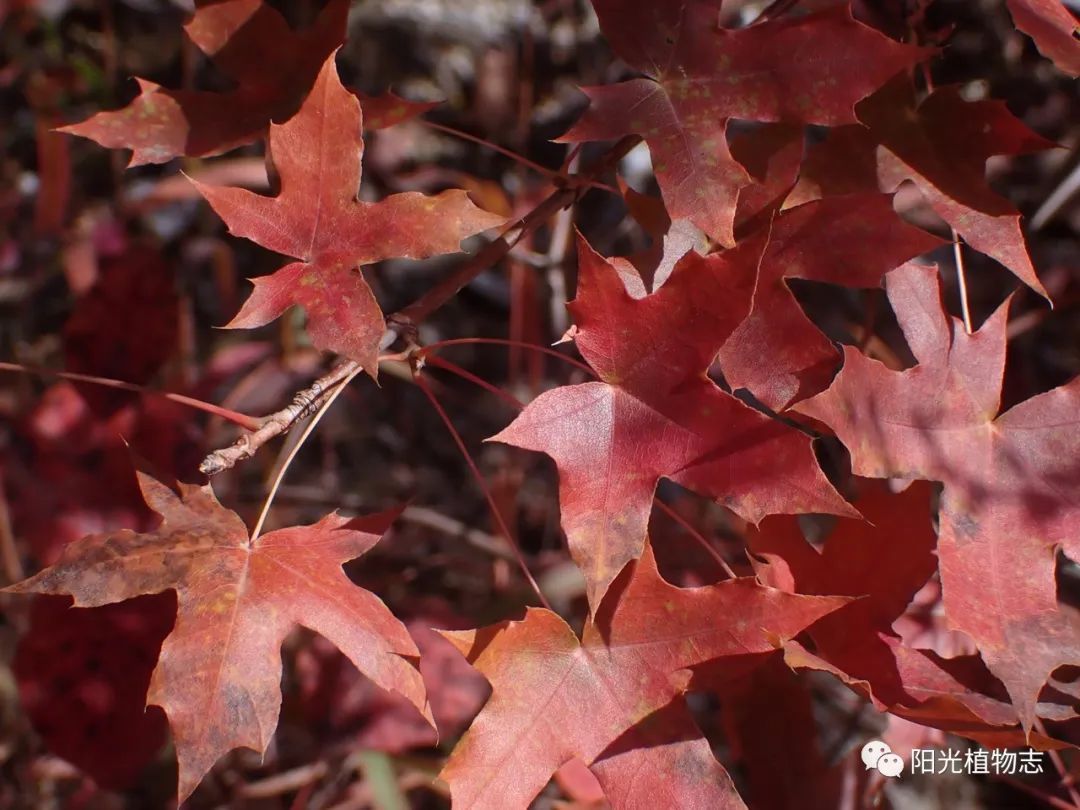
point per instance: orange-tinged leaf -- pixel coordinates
(656, 414)
(317, 219)
(1010, 496)
(556, 697)
(218, 676)
(811, 69)
(250, 41)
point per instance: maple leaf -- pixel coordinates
(317, 219)
(1053, 28)
(656, 414)
(957, 695)
(273, 67)
(68, 471)
(664, 761)
(884, 560)
(556, 697)
(853, 240)
(810, 69)
(219, 673)
(1010, 495)
(941, 145)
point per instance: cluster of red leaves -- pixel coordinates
(613, 696)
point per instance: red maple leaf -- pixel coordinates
(68, 473)
(958, 695)
(250, 41)
(1053, 28)
(613, 697)
(656, 414)
(772, 154)
(317, 219)
(218, 677)
(853, 240)
(810, 69)
(941, 145)
(1010, 493)
(883, 561)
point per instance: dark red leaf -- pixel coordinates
(941, 145)
(809, 69)
(655, 414)
(1009, 499)
(249, 40)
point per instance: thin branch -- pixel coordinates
(961, 279)
(241, 419)
(9, 553)
(305, 402)
(431, 519)
(427, 350)
(562, 237)
(554, 174)
(503, 528)
(420, 515)
(287, 782)
(775, 9)
(958, 252)
(322, 409)
(1057, 199)
(465, 374)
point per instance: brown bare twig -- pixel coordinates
(9, 553)
(305, 402)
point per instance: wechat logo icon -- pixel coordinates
(877, 754)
